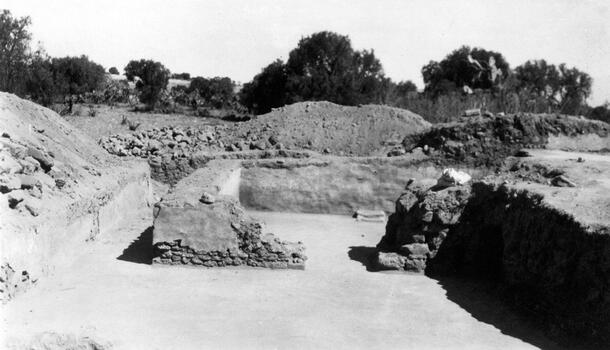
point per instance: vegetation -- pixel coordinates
(323, 66)
(152, 79)
(14, 51)
(216, 92)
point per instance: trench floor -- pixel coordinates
(334, 304)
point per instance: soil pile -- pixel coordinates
(318, 126)
(487, 141)
(51, 176)
(330, 128)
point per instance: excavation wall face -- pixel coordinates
(548, 261)
(215, 231)
(334, 186)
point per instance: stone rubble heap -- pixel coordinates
(420, 224)
(25, 173)
(182, 143)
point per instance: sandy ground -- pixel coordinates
(335, 303)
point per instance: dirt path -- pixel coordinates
(335, 303)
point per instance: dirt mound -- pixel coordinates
(330, 128)
(51, 176)
(487, 141)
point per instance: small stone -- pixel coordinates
(60, 183)
(6, 134)
(32, 209)
(207, 198)
(9, 183)
(562, 181)
(580, 160)
(28, 181)
(390, 261)
(415, 250)
(45, 162)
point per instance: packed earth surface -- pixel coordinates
(140, 231)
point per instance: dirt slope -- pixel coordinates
(57, 188)
(342, 130)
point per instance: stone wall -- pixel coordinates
(197, 225)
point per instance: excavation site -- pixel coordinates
(295, 247)
(249, 175)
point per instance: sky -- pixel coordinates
(238, 38)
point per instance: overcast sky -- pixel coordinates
(238, 38)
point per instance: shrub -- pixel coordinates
(113, 70)
(153, 79)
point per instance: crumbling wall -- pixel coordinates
(197, 225)
(548, 262)
(487, 141)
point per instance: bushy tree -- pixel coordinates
(153, 79)
(601, 112)
(76, 75)
(217, 92)
(398, 93)
(39, 82)
(14, 46)
(113, 70)
(323, 66)
(566, 89)
(475, 68)
(267, 90)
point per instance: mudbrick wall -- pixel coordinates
(549, 263)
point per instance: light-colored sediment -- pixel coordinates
(335, 303)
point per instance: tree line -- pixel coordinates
(323, 66)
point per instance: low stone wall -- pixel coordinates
(196, 224)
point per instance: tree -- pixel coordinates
(267, 90)
(113, 70)
(475, 68)
(153, 79)
(76, 75)
(39, 82)
(14, 45)
(398, 93)
(601, 112)
(216, 92)
(565, 89)
(323, 66)
(575, 88)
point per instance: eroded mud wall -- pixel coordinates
(334, 186)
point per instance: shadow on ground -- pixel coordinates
(484, 301)
(140, 251)
(364, 256)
